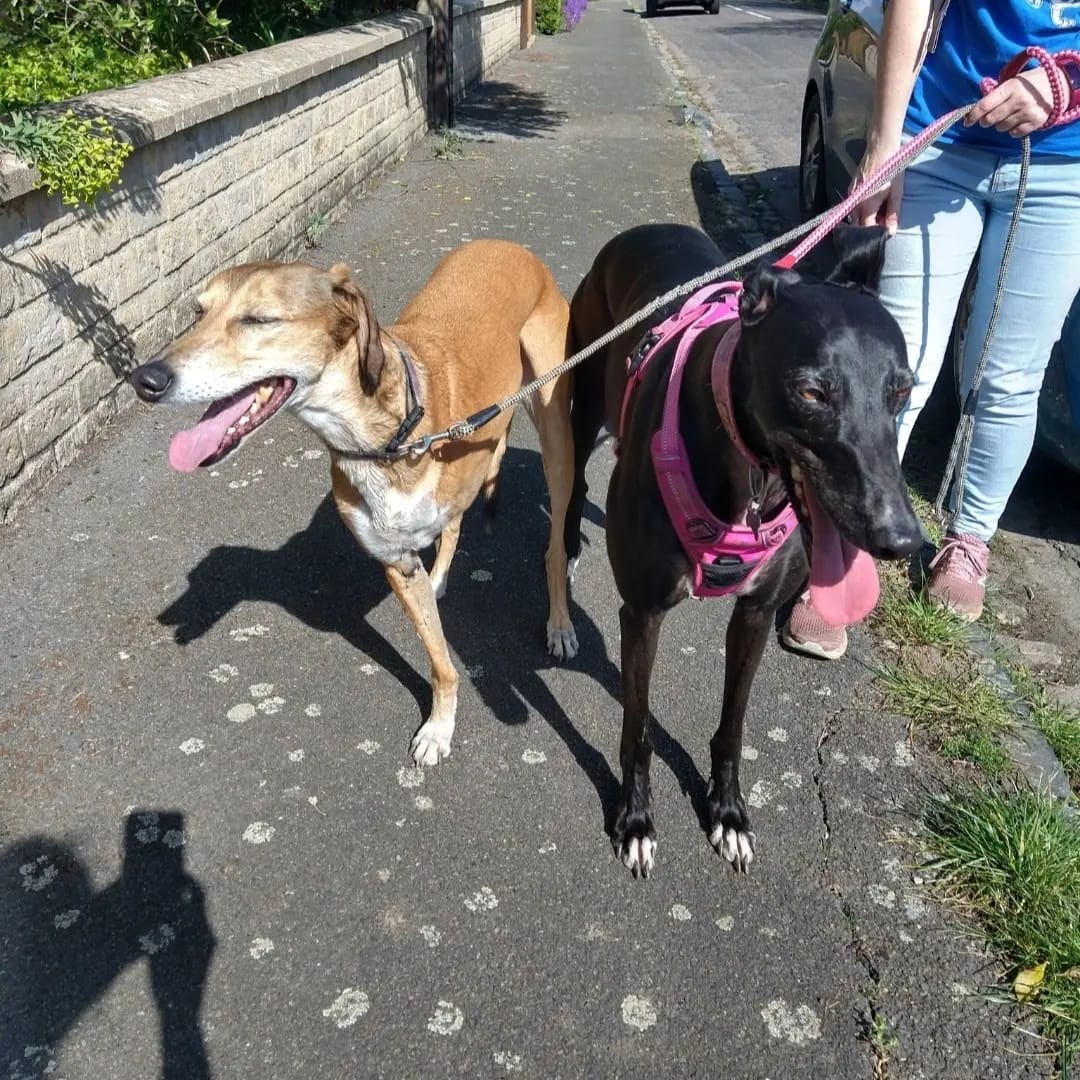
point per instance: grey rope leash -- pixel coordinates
(957, 465)
(463, 428)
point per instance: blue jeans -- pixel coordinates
(955, 199)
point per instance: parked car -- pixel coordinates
(712, 7)
(836, 113)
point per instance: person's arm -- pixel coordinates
(904, 35)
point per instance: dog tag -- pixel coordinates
(753, 517)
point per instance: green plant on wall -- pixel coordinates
(54, 50)
(77, 158)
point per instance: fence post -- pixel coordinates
(528, 14)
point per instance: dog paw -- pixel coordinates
(634, 838)
(734, 846)
(431, 743)
(562, 642)
(637, 854)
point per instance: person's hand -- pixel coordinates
(881, 207)
(1017, 107)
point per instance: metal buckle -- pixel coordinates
(641, 350)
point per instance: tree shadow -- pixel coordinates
(86, 307)
(500, 110)
(62, 944)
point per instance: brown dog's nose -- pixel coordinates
(151, 381)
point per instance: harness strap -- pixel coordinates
(724, 556)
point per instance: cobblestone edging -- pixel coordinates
(232, 160)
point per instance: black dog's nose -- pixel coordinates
(150, 381)
(896, 537)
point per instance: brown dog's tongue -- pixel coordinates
(844, 583)
(190, 448)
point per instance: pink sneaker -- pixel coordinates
(958, 578)
(807, 632)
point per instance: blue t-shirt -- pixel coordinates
(978, 39)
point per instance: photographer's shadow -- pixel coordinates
(62, 944)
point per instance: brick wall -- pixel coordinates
(485, 31)
(232, 159)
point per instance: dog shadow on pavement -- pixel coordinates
(62, 944)
(493, 614)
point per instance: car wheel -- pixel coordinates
(812, 198)
(713, 7)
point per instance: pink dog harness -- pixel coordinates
(724, 556)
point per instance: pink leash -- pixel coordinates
(1063, 111)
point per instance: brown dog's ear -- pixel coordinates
(860, 252)
(359, 321)
(759, 292)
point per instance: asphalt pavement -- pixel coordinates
(215, 855)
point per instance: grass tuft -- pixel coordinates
(450, 146)
(1012, 861)
(954, 707)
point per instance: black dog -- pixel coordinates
(818, 377)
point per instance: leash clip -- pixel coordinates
(758, 480)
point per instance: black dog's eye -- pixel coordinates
(901, 395)
(813, 394)
(258, 320)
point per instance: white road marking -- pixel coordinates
(747, 11)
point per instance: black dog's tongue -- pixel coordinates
(844, 583)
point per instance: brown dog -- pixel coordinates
(273, 335)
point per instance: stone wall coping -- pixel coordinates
(464, 7)
(153, 109)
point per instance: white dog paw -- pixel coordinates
(431, 743)
(637, 854)
(562, 642)
(734, 846)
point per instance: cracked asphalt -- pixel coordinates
(215, 855)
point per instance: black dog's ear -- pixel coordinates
(759, 291)
(359, 321)
(860, 252)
